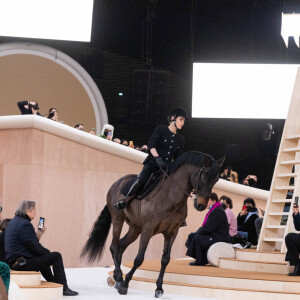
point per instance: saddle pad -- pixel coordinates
(151, 184)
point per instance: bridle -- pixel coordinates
(196, 192)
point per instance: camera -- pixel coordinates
(35, 107)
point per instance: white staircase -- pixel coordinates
(278, 221)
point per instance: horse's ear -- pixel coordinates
(221, 161)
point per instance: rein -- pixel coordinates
(174, 182)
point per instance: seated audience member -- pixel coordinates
(230, 175)
(144, 148)
(25, 253)
(107, 132)
(53, 115)
(246, 221)
(93, 131)
(79, 127)
(116, 140)
(124, 142)
(227, 202)
(5, 277)
(258, 223)
(292, 241)
(3, 225)
(250, 180)
(214, 229)
(28, 108)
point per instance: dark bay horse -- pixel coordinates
(162, 211)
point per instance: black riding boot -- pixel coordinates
(296, 271)
(130, 195)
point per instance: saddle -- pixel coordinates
(150, 185)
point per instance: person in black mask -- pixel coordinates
(246, 221)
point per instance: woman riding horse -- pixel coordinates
(161, 212)
(165, 145)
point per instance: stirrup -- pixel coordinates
(120, 205)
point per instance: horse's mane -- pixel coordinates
(194, 158)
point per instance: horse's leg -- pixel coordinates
(124, 242)
(169, 240)
(144, 241)
(114, 247)
(129, 238)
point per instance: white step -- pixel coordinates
(44, 291)
(293, 137)
(253, 255)
(276, 226)
(282, 200)
(278, 213)
(284, 188)
(26, 278)
(275, 240)
(290, 162)
(215, 292)
(253, 266)
(287, 175)
(294, 149)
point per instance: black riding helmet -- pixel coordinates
(178, 112)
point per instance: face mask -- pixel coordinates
(249, 208)
(210, 207)
(223, 206)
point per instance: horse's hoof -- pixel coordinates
(117, 285)
(159, 293)
(110, 281)
(123, 289)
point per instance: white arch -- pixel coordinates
(69, 64)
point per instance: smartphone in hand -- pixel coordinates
(296, 204)
(41, 223)
(244, 207)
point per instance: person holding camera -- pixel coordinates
(230, 175)
(28, 108)
(25, 253)
(164, 145)
(292, 241)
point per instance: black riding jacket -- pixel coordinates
(167, 144)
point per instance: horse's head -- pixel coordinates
(204, 180)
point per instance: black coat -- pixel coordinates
(216, 229)
(24, 110)
(167, 144)
(2, 249)
(21, 240)
(248, 226)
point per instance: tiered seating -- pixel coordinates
(233, 282)
(33, 288)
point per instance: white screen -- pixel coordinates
(47, 19)
(258, 91)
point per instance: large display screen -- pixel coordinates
(250, 91)
(47, 19)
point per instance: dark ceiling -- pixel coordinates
(192, 30)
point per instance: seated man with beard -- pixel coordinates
(214, 229)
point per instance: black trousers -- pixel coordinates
(145, 174)
(42, 264)
(292, 241)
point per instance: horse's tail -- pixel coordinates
(95, 244)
